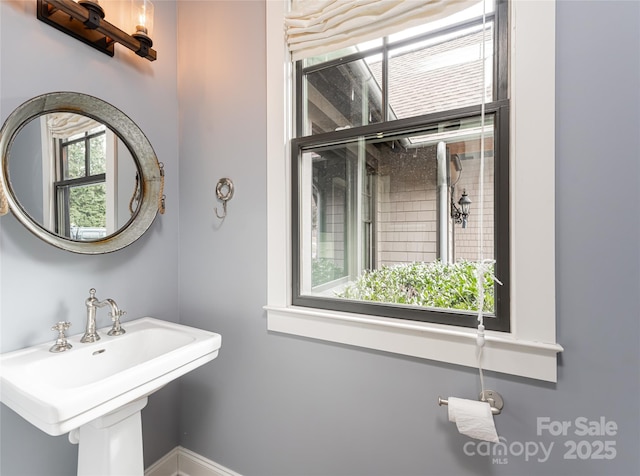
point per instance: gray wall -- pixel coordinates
(279, 405)
(39, 284)
(26, 170)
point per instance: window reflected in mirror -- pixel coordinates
(74, 176)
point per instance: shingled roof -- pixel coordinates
(444, 76)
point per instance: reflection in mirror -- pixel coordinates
(74, 176)
(79, 173)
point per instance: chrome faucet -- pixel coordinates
(92, 303)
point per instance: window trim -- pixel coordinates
(530, 348)
(53, 169)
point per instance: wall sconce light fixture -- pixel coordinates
(460, 215)
(84, 20)
(142, 13)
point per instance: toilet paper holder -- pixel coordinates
(494, 399)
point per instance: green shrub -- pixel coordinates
(324, 270)
(447, 286)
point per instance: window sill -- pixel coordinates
(502, 352)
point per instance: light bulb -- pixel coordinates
(142, 16)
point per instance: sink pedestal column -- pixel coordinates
(112, 444)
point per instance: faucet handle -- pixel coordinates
(61, 327)
(61, 343)
(117, 315)
(117, 329)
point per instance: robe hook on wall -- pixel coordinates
(224, 191)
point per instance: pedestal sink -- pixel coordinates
(95, 391)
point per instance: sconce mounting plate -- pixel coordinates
(67, 24)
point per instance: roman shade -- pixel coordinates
(62, 125)
(315, 27)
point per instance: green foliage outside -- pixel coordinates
(447, 286)
(324, 270)
(87, 206)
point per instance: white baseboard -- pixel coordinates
(165, 466)
(183, 462)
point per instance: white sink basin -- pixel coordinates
(59, 392)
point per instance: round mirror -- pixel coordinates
(79, 173)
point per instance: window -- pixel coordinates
(389, 136)
(80, 187)
(529, 347)
(81, 170)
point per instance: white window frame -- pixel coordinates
(49, 177)
(530, 348)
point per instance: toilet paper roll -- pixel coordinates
(473, 418)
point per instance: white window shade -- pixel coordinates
(62, 125)
(315, 27)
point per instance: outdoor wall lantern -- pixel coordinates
(460, 215)
(84, 20)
